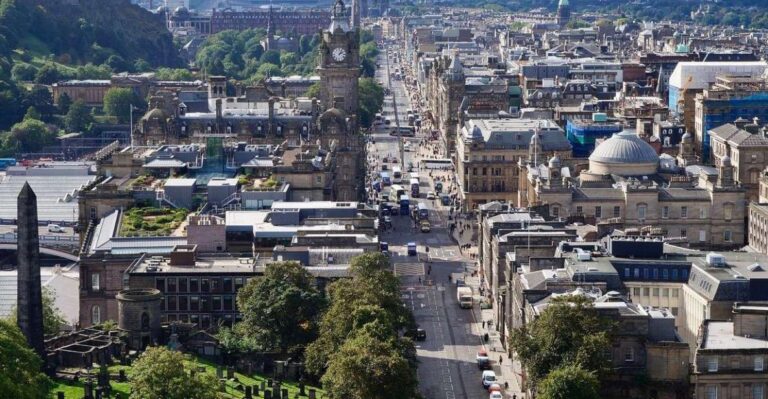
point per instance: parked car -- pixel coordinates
(489, 377)
(431, 195)
(496, 395)
(55, 228)
(483, 362)
(417, 334)
(495, 387)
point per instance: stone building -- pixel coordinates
(490, 149)
(288, 42)
(747, 147)
(730, 356)
(304, 22)
(626, 187)
(139, 316)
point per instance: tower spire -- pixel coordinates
(270, 23)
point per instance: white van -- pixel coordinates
(489, 377)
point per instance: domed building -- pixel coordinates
(624, 154)
(624, 188)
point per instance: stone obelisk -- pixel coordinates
(30, 296)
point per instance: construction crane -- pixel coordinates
(681, 97)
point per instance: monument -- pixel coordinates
(30, 296)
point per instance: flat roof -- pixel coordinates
(720, 336)
(162, 264)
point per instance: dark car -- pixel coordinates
(417, 334)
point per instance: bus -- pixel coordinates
(6, 162)
(405, 204)
(397, 175)
(385, 180)
(415, 188)
(423, 211)
(437, 163)
(405, 131)
(415, 175)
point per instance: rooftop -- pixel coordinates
(719, 335)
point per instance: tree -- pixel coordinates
(271, 56)
(371, 99)
(47, 74)
(53, 319)
(30, 135)
(281, 310)
(20, 375)
(369, 367)
(569, 382)
(289, 58)
(23, 72)
(568, 331)
(40, 97)
(141, 65)
(118, 101)
(78, 118)
(315, 90)
(159, 373)
(32, 113)
(373, 293)
(64, 103)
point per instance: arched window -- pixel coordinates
(95, 314)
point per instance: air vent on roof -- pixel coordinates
(591, 269)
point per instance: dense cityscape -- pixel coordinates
(373, 199)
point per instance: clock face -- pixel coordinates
(339, 54)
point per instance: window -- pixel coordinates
(228, 303)
(646, 291)
(627, 272)
(238, 283)
(183, 284)
(655, 273)
(665, 212)
(712, 364)
(636, 291)
(683, 232)
(172, 303)
(216, 303)
(227, 284)
(702, 235)
(171, 285)
(160, 284)
(194, 285)
(712, 392)
(616, 211)
(205, 285)
(684, 212)
(727, 236)
(579, 210)
(183, 303)
(759, 363)
(665, 274)
(674, 292)
(656, 292)
(637, 272)
(95, 286)
(702, 213)
(555, 212)
(598, 211)
(641, 211)
(194, 303)
(674, 274)
(665, 292)
(728, 212)
(674, 311)
(758, 391)
(629, 355)
(95, 314)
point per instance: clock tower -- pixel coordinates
(339, 66)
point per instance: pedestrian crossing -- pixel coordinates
(409, 269)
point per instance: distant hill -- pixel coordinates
(82, 31)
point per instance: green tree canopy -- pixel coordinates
(281, 310)
(370, 366)
(371, 100)
(159, 373)
(271, 56)
(118, 101)
(20, 375)
(568, 331)
(30, 135)
(373, 293)
(569, 382)
(64, 103)
(78, 117)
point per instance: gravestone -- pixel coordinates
(275, 392)
(267, 394)
(312, 393)
(121, 375)
(269, 382)
(255, 390)
(99, 392)
(263, 386)
(88, 389)
(284, 393)
(301, 389)
(230, 372)
(219, 373)
(248, 392)
(60, 395)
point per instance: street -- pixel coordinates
(447, 367)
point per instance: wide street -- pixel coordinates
(447, 367)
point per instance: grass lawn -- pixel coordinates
(76, 390)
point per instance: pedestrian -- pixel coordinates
(500, 359)
(483, 323)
